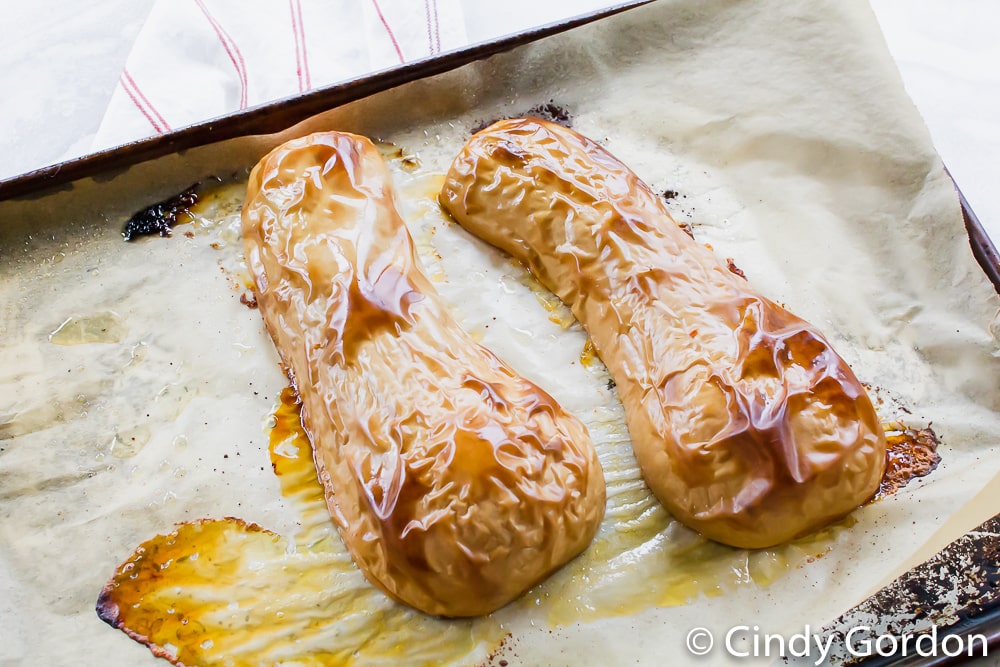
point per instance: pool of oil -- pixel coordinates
(105, 326)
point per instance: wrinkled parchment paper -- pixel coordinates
(783, 129)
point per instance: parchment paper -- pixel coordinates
(784, 131)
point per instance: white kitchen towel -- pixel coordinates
(199, 59)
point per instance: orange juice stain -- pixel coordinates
(225, 592)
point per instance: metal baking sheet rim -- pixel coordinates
(282, 114)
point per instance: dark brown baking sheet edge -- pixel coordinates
(982, 246)
(930, 592)
(279, 115)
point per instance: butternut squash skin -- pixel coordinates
(747, 426)
(455, 483)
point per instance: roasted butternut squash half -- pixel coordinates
(456, 484)
(746, 424)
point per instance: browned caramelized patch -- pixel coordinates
(161, 216)
(376, 305)
(249, 299)
(735, 269)
(910, 453)
(132, 600)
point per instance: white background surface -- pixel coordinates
(60, 62)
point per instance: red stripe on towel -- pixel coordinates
(437, 27)
(301, 56)
(142, 103)
(430, 30)
(231, 49)
(392, 37)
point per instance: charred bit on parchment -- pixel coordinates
(735, 269)
(249, 299)
(408, 161)
(686, 228)
(669, 195)
(910, 453)
(504, 648)
(550, 111)
(161, 216)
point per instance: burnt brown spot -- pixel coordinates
(910, 453)
(552, 112)
(161, 216)
(549, 111)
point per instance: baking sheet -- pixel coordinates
(785, 133)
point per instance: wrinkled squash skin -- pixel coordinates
(747, 426)
(456, 484)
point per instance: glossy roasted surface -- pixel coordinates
(747, 425)
(456, 484)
